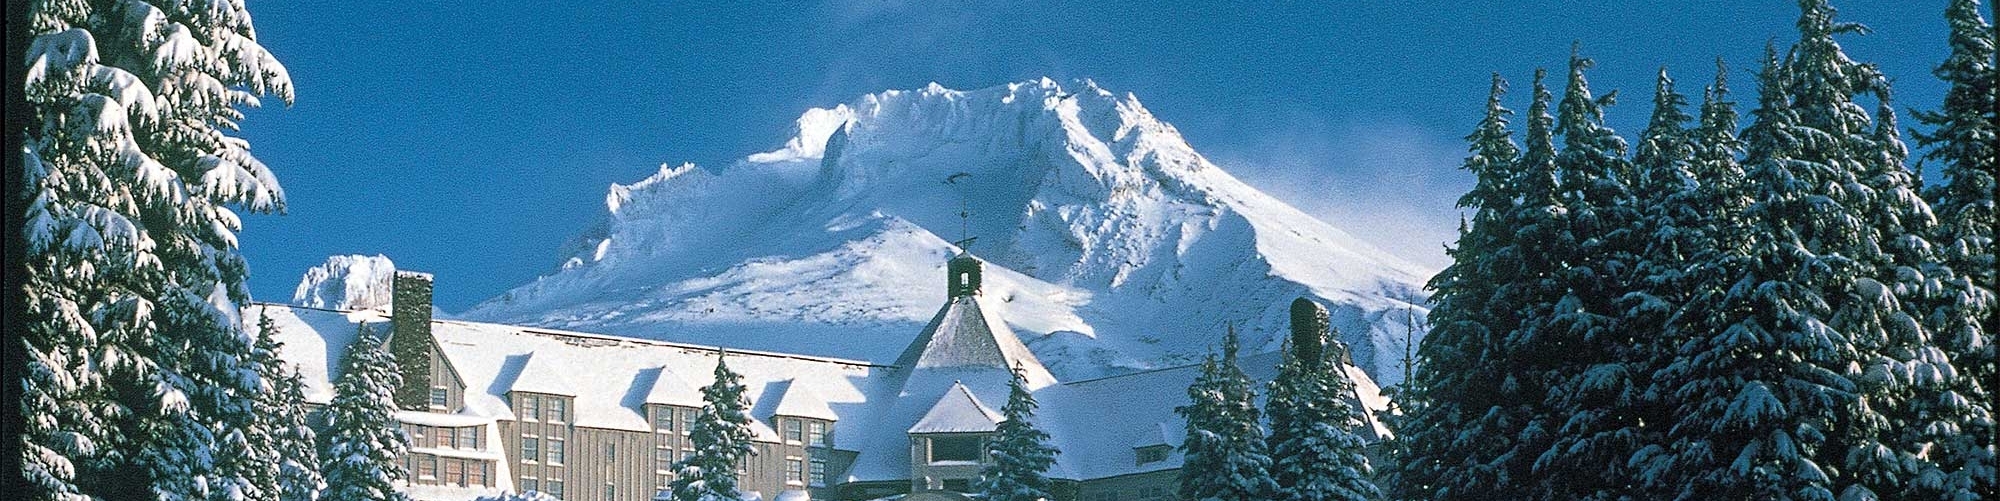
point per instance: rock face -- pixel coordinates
(352, 282)
(1110, 243)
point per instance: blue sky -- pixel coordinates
(470, 139)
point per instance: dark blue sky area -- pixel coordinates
(470, 139)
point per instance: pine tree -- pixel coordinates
(1226, 456)
(1584, 427)
(291, 443)
(136, 356)
(1964, 311)
(721, 438)
(1700, 223)
(1021, 453)
(1317, 456)
(364, 442)
(1454, 383)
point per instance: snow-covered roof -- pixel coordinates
(962, 334)
(958, 411)
(669, 388)
(611, 378)
(798, 400)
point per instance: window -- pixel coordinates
(816, 433)
(795, 471)
(439, 397)
(610, 491)
(530, 484)
(958, 484)
(818, 471)
(454, 472)
(427, 466)
(419, 435)
(663, 481)
(531, 449)
(446, 437)
(555, 488)
(610, 452)
(558, 410)
(687, 420)
(795, 431)
(555, 450)
(663, 460)
(954, 449)
(686, 453)
(531, 408)
(468, 437)
(663, 419)
(475, 474)
(1152, 454)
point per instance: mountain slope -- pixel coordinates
(1111, 242)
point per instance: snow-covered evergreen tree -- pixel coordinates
(1316, 453)
(1225, 453)
(1021, 453)
(1586, 424)
(1964, 312)
(291, 443)
(1455, 384)
(136, 355)
(721, 438)
(364, 441)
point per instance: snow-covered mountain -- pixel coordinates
(351, 282)
(1110, 242)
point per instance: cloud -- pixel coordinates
(1385, 181)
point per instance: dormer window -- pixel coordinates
(1152, 453)
(958, 448)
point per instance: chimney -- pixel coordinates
(410, 339)
(962, 276)
(1309, 332)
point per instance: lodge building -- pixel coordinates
(593, 417)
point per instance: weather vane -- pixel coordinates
(964, 214)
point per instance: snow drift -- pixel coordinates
(1111, 244)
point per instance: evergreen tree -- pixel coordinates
(1699, 223)
(1021, 453)
(364, 442)
(1317, 456)
(721, 439)
(1225, 454)
(291, 443)
(1587, 422)
(1454, 385)
(1964, 311)
(136, 357)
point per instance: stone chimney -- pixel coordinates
(410, 339)
(1310, 323)
(962, 276)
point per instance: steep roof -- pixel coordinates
(611, 378)
(958, 411)
(962, 334)
(798, 400)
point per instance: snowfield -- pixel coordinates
(1112, 245)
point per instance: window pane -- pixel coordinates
(794, 470)
(438, 397)
(529, 484)
(555, 488)
(818, 471)
(555, 450)
(454, 472)
(663, 418)
(955, 449)
(531, 408)
(468, 437)
(816, 433)
(531, 449)
(794, 431)
(558, 409)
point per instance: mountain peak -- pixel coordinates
(1112, 242)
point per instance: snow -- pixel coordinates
(1113, 245)
(351, 282)
(963, 335)
(798, 400)
(958, 411)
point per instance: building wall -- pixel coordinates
(1149, 486)
(442, 376)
